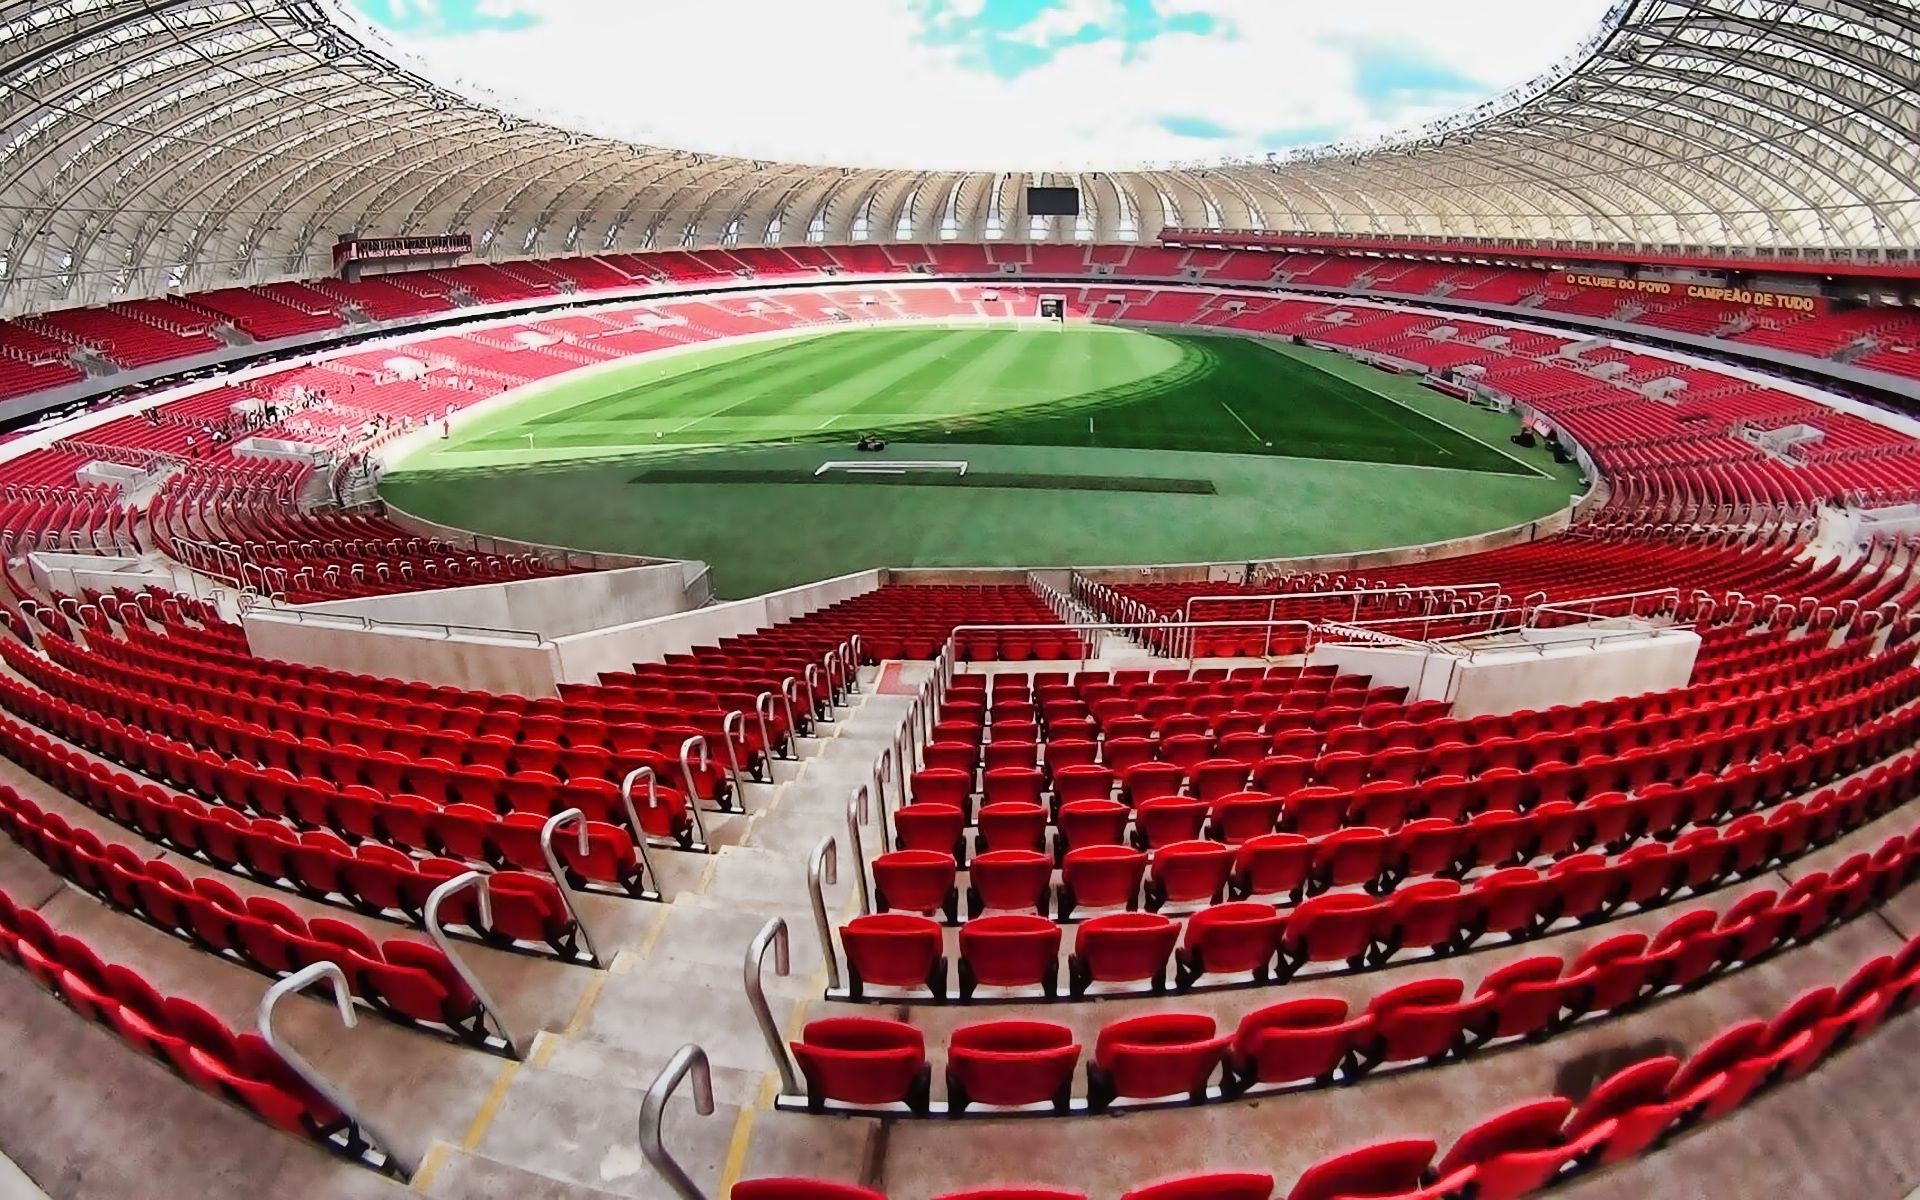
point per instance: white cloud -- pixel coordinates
(854, 82)
(1066, 20)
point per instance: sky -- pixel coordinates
(990, 84)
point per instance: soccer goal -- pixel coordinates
(898, 466)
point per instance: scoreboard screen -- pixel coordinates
(1053, 202)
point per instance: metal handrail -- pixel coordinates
(336, 978)
(302, 616)
(859, 812)
(882, 772)
(763, 713)
(553, 826)
(773, 933)
(688, 1060)
(1357, 594)
(1171, 627)
(431, 919)
(653, 801)
(813, 689)
(789, 687)
(727, 723)
(686, 765)
(823, 867)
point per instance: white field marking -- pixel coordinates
(1529, 467)
(1236, 416)
(830, 420)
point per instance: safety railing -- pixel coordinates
(772, 935)
(1429, 599)
(688, 1060)
(859, 814)
(1174, 637)
(1500, 615)
(641, 839)
(1128, 614)
(358, 1138)
(447, 631)
(1655, 602)
(823, 868)
(583, 940)
(501, 1039)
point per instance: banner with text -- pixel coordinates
(1750, 297)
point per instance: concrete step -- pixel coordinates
(84, 1115)
(758, 876)
(414, 1085)
(455, 1174)
(706, 930)
(584, 1133)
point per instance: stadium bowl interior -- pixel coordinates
(1395, 681)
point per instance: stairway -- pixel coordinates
(678, 980)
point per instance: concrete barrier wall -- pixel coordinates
(452, 646)
(1425, 674)
(1539, 677)
(73, 574)
(1537, 670)
(552, 607)
(582, 657)
(524, 667)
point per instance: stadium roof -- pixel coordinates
(157, 145)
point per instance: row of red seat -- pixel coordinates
(1565, 568)
(314, 832)
(526, 910)
(490, 769)
(189, 1040)
(278, 309)
(867, 1063)
(1645, 758)
(765, 674)
(299, 564)
(1507, 1154)
(1344, 757)
(261, 687)
(409, 982)
(1436, 914)
(1447, 820)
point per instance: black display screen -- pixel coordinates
(1053, 202)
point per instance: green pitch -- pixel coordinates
(1084, 445)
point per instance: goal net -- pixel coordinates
(896, 466)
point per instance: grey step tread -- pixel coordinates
(125, 1128)
(458, 1174)
(409, 1082)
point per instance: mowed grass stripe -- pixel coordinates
(779, 390)
(635, 402)
(842, 386)
(678, 410)
(890, 391)
(953, 390)
(709, 393)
